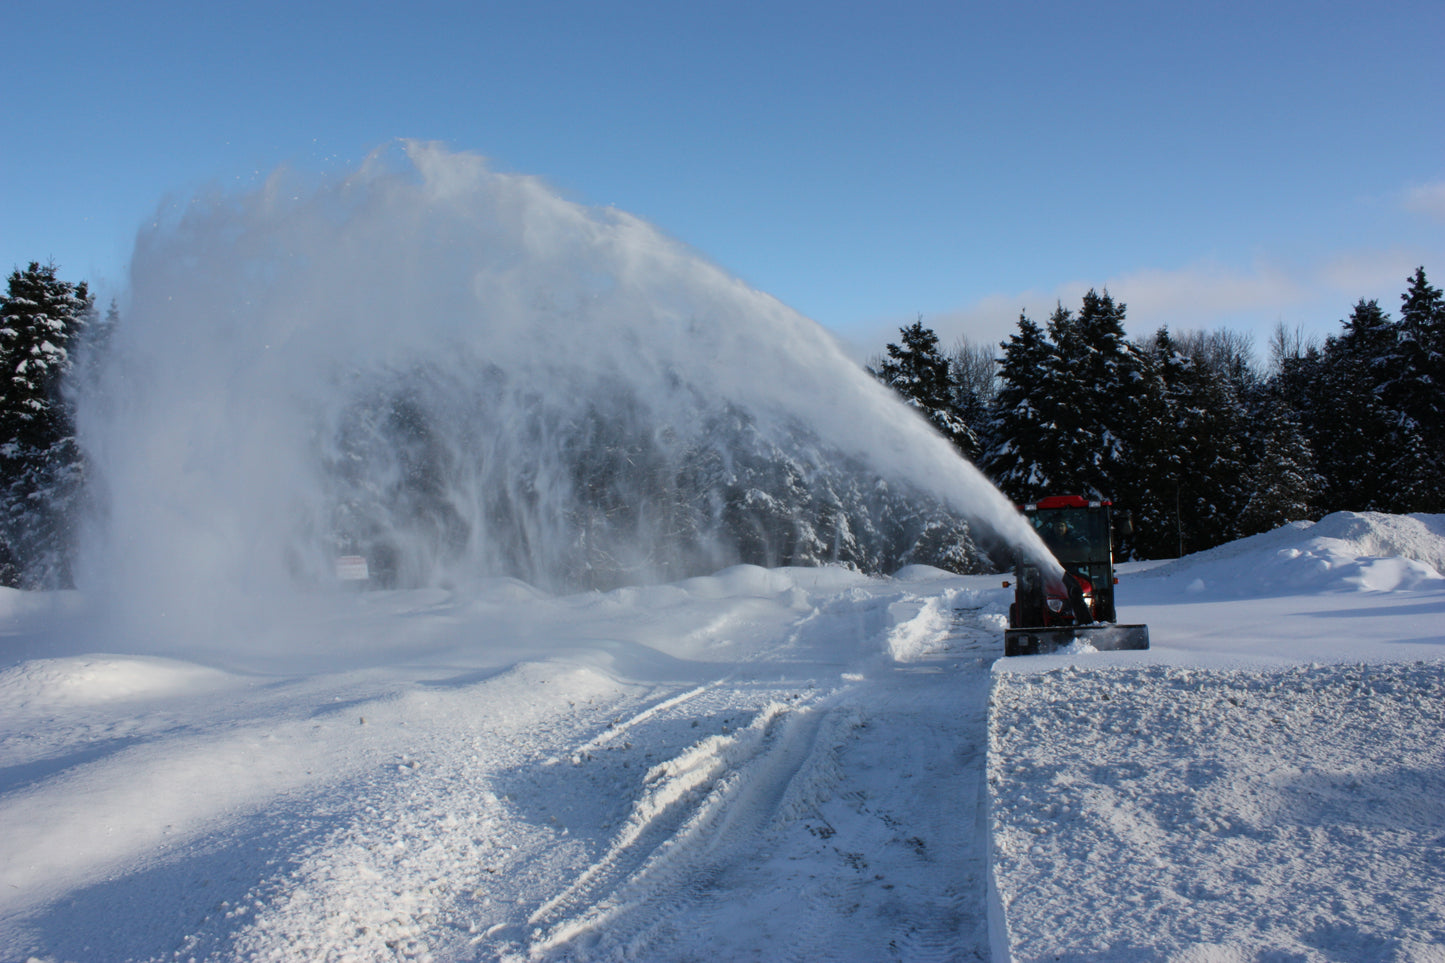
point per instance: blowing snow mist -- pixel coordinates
(462, 375)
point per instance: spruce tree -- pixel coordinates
(1187, 449)
(1084, 397)
(1104, 370)
(1066, 404)
(1416, 381)
(1019, 428)
(42, 320)
(1281, 484)
(973, 374)
(1222, 383)
(919, 372)
(1370, 455)
(1055, 397)
(1161, 449)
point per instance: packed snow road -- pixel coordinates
(760, 764)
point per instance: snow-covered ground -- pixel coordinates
(761, 764)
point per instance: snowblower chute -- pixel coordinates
(1049, 612)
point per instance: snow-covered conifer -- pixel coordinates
(1102, 368)
(919, 372)
(1415, 382)
(1370, 455)
(1281, 484)
(42, 319)
(1020, 428)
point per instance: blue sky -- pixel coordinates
(1227, 164)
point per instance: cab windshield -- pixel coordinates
(1074, 535)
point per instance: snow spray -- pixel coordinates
(296, 356)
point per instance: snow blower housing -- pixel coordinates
(1049, 613)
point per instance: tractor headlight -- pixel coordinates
(1056, 605)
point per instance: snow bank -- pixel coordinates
(742, 581)
(1343, 552)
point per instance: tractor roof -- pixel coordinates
(1066, 501)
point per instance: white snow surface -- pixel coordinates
(792, 764)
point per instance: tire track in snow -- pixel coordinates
(619, 728)
(694, 810)
(861, 806)
(409, 873)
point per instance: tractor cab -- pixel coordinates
(1051, 610)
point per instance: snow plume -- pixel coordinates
(463, 375)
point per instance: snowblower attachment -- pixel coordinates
(1052, 612)
(1102, 636)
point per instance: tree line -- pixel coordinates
(1188, 432)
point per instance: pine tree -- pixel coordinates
(42, 320)
(1083, 397)
(1066, 404)
(1222, 383)
(1186, 447)
(973, 374)
(919, 372)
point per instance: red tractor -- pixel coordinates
(1052, 610)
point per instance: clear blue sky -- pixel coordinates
(1219, 164)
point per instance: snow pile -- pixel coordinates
(1343, 552)
(1154, 813)
(920, 628)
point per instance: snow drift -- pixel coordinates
(1343, 552)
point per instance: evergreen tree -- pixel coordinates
(919, 372)
(1101, 369)
(1161, 448)
(1415, 384)
(1221, 383)
(1370, 456)
(42, 320)
(1085, 395)
(1055, 396)
(1020, 428)
(1188, 449)
(1066, 404)
(1280, 484)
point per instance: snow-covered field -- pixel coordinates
(762, 764)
